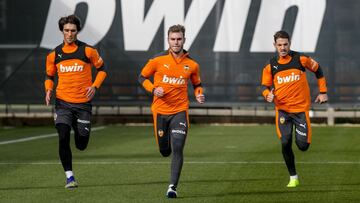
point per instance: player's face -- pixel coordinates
(70, 33)
(282, 46)
(176, 41)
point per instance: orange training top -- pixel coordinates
(287, 75)
(172, 75)
(72, 63)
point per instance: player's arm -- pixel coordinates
(98, 63)
(315, 67)
(50, 75)
(198, 89)
(266, 83)
(144, 79)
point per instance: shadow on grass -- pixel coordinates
(32, 188)
(118, 156)
(280, 191)
(165, 182)
(82, 186)
(339, 184)
(269, 192)
(227, 180)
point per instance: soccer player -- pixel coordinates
(72, 62)
(284, 83)
(171, 70)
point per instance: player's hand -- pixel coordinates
(270, 96)
(90, 92)
(48, 97)
(200, 98)
(321, 98)
(159, 91)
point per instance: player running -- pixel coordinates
(171, 71)
(284, 83)
(72, 62)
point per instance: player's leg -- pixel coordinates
(82, 128)
(162, 135)
(178, 131)
(284, 129)
(63, 120)
(64, 145)
(302, 130)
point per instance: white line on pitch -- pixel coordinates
(188, 162)
(41, 137)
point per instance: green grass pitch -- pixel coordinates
(222, 164)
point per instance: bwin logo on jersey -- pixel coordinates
(173, 80)
(288, 78)
(74, 68)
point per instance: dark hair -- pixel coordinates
(281, 34)
(177, 28)
(72, 19)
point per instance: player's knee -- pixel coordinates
(285, 143)
(81, 147)
(178, 144)
(303, 146)
(63, 131)
(286, 147)
(63, 128)
(82, 142)
(165, 152)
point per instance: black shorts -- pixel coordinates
(77, 116)
(285, 122)
(167, 126)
